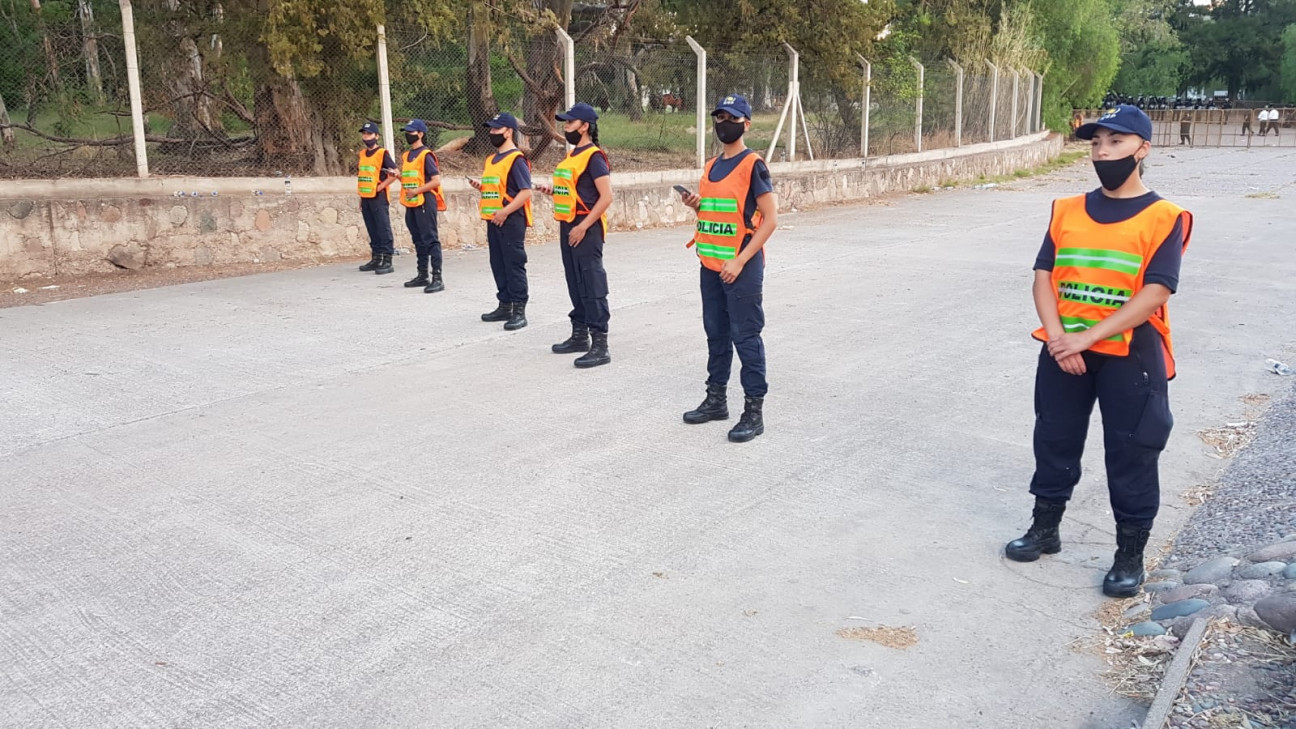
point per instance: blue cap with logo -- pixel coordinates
(369, 127)
(735, 105)
(502, 120)
(579, 112)
(416, 125)
(1124, 119)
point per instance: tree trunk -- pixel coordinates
(481, 94)
(634, 99)
(542, 97)
(6, 134)
(90, 49)
(282, 120)
(51, 60)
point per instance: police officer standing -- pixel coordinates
(582, 192)
(737, 214)
(1109, 263)
(375, 173)
(505, 205)
(422, 198)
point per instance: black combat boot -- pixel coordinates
(435, 284)
(1042, 537)
(579, 341)
(598, 353)
(751, 424)
(372, 264)
(384, 264)
(421, 279)
(714, 407)
(1127, 568)
(501, 313)
(517, 317)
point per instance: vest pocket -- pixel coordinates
(1155, 424)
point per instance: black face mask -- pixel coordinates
(573, 138)
(729, 131)
(496, 140)
(1113, 173)
(411, 137)
(371, 143)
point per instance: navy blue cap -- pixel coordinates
(579, 112)
(369, 127)
(735, 105)
(502, 120)
(1125, 119)
(415, 125)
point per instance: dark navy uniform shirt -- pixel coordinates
(586, 190)
(1162, 269)
(760, 180)
(519, 177)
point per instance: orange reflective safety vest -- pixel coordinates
(721, 228)
(414, 176)
(567, 204)
(1100, 266)
(368, 171)
(494, 185)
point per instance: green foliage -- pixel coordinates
(1239, 43)
(1289, 64)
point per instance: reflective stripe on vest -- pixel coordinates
(567, 204)
(367, 176)
(721, 228)
(494, 185)
(414, 176)
(1098, 267)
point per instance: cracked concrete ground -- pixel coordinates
(314, 498)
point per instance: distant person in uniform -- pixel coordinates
(582, 193)
(421, 195)
(1077, 119)
(375, 173)
(1185, 127)
(1103, 277)
(505, 205)
(737, 213)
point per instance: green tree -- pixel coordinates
(1289, 65)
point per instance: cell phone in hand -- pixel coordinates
(682, 190)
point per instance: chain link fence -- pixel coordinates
(1218, 127)
(215, 103)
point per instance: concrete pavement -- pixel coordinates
(314, 498)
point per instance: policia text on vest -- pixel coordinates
(737, 214)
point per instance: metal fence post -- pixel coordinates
(866, 106)
(958, 102)
(133, 82)
(994, 96)
(1012, 128)
(569, 69)
(701, 102)
(919, 110)
(384, 92)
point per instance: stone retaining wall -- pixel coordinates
(70, 227)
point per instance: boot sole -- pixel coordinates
(695, 421)
(409, 285)
(508, 328)
(493, 318)
(430, 290)
(573, 350)
(745, 438)
(1018, 556)
(1112, 592)
(596, 363)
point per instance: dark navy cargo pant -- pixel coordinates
(422, 224)
(508, 258)
(377, 219)
(1131, 393)
(733, 318)
(587, 285)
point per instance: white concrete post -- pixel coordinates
(133, 83)
(1012, 128)
(384, 93)
(958, 102)
(701, 104)
(994, 96)
(1030, 100)
(1039, 102)
(919, 110)
(569, 69)
(867, 105)
(794, 92)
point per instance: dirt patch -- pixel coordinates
(1242, 677)
(891, 637)
(1229, 438)
(44, 290)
